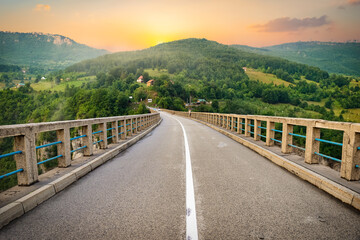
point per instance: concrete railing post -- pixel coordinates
(135, 123)
(103, 135)
(63, 148)
(123, 129)
(115, 131)
(312, 146)
(139, 124)
(350, 155)
(286, 138)
(247, 127)
(87, 141)
(27, 159)
(129, 127)
(257, 130)
(270, 134)
(232, 123)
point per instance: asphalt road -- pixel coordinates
(140, 194)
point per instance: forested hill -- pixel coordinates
(45, 51)
(329, 56)
(201, 59)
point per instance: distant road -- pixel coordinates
(141, 194)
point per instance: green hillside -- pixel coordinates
(45, 51)
(230, 81)
(332, 57)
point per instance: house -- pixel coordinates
(140, 79)
(244, 68)
(150, 82)
(43, 78)
(200, 101)
(19, 85)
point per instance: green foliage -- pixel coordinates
(183, 70)
(142, 109)
(45, 51)
(329, 56)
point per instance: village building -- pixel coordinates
(140, 79)
(19, 85)
(150, 82)
(201, 101)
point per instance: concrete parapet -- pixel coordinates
(25, 147)
(350, 160)
(340, 192)
(19, 207)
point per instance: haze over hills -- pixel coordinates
(45, 51)
(329, 56)
(52, 52)
(212, 59)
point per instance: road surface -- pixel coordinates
(141, 194)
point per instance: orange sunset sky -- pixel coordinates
(118, 25)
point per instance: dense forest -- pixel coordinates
(43, 51)
(183, 72)
(330, 56)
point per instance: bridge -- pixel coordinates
(189, 176)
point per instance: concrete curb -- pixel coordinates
(338, 191)
(21, 206)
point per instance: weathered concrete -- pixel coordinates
(63, 148)
(25, 160)
(350, 169)
(82, 171)
(24, 135)
(10, 212)
(35, 198)
(28, 202)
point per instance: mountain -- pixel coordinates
(46, 51)
(201, 59)
(333, 57)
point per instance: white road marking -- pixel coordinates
(191, 224)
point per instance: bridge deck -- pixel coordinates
(140, 194)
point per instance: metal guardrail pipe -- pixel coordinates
(350, 159)
(25, 148)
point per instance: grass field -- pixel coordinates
(265, 77)
(157, 73)
(50, 85)
(352, 115)
(354, 83)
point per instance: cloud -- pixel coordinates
(287, 24)
(354, 2)
(42, 7)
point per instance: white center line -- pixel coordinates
(191, 224)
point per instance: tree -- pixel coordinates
(328, 103)
(140, 94)
(38, 78)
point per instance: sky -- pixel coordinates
(123, 25)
